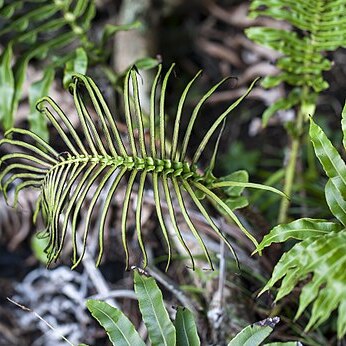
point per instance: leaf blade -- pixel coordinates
(254, 334)
(186, 328)
(120, 330)
(299, 229)
(329, 158)
(155, 316)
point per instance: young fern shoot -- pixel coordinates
(96, 160)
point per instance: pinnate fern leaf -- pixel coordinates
(318, 26)
(45, 30)
(96, 159)
(322, 247)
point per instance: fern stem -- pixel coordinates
(292, 161)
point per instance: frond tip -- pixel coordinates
(96, 160)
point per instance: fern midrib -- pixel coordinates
(149, 164)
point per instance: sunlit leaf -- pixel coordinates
(120, 331)
(332, 163)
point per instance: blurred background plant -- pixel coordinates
(314, 29)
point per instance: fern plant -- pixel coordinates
(98, 158)
(321, 249)
(317, 27)
(55, 32)
(161, 330)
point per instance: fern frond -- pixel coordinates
(322, 249)
(318, 27)
(53, 31)
(324, 258)
(323, 28)
(96, 159)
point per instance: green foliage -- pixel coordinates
(55, 32)
(155, 316)
(320, 27)
(119, 328)
(322, 247)
(160, 328)
(186, 328)
(239, 157)
(234, 198)
(98, 158)
(255, 334)
(161, 331)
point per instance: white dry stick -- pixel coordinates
(216, 311)
(41, 319)
(94, 273)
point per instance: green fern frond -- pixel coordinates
(323, 28)
(97, 158)
(322, 249)
(318, 26)
(56, 32)
(324, 258)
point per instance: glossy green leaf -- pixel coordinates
(155, 316)
(332, 163)
(8, 10)
(38, 123)
(52, 32)
(78, 64)
(186, 328)
(120, 331)
(336, 202)
(299, 229)
(255, 334)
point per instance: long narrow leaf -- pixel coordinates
(160, 328)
